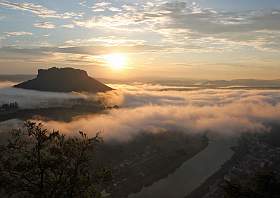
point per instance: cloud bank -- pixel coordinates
(229, 112)
(29, 99)
(146, 108)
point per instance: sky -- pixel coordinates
(199, 39)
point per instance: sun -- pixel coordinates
(116, 61)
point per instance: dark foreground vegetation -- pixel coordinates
(38, 163)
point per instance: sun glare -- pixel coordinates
(116, 61)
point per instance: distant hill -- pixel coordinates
(242, 82)
(64, 80)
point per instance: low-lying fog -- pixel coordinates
(29, 99)
(146, 107)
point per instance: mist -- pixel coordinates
(148, 109)
(31, 99)
(5, 84)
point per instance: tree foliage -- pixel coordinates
(39, 163)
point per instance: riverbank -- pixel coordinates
(147, 159)
(255, 163)
(217, 177)
(193, 172)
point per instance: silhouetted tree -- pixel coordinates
(39, 163)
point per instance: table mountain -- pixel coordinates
(64, 80)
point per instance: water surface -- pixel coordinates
(192, 173)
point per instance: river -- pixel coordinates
(193, 172)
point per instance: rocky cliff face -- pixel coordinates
(64, 80)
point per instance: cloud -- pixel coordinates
(68, 26)
(228, 112)
(18, 33)
(2, 17)
(38, 10)
(44, 25)
(106, 41)
(206, 27)
(234, 29)
(95, 50)
(191, 27)
(104, 6)
(29, 99)
(100, 7)
(182, 26)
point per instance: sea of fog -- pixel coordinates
(156, 108)
(30, 99)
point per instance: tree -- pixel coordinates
(38, 163)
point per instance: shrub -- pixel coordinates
(39, 163)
